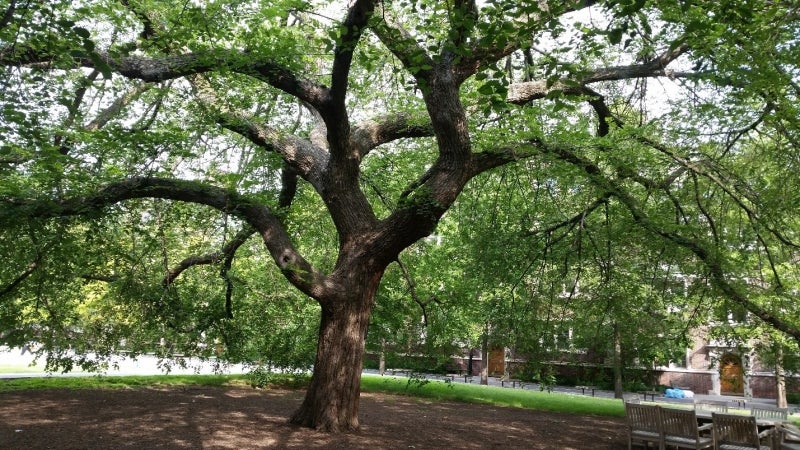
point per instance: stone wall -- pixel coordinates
(695, 381)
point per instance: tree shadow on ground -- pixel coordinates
(244, 418)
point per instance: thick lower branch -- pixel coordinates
(296, 269)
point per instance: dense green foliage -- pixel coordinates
(562, 178)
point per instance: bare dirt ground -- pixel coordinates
(244, 418)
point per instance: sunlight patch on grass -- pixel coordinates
(120, 382)
(17, 368)
(498, 396)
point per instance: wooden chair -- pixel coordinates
(711, 405)
(768, 412)
(738, 432)
(644, 424)
(681, 430)
(789, 437)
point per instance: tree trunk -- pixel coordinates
(331, 402)
(485, 356)
(617, 362)
(382, 362)
(780, 381)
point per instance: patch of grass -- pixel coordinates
(119, 382)
(490, 395)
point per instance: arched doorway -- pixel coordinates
(731, 375)
(497, 362)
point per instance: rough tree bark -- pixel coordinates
(331, 402)
(332, 399)
(780, 381)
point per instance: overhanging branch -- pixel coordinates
(163, 68)
(302, 155)
(296, 269)
(708, 255)
(521, 93)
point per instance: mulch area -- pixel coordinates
(244, 418)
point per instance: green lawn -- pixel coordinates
(491, 395)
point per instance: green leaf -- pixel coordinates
(101, 65)
(487, 88)
(82, 32)
(615, 35)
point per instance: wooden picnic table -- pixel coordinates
(705, 417)
(467, 377)
(652, 395)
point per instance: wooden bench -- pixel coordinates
(741, 402)
(644, 424)
(453, 376)
(768, 412)
(402, 372)
(586, 388)
(739, 432)
(681, 430)
(652, 395)
(711, 405)
(514, 382)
